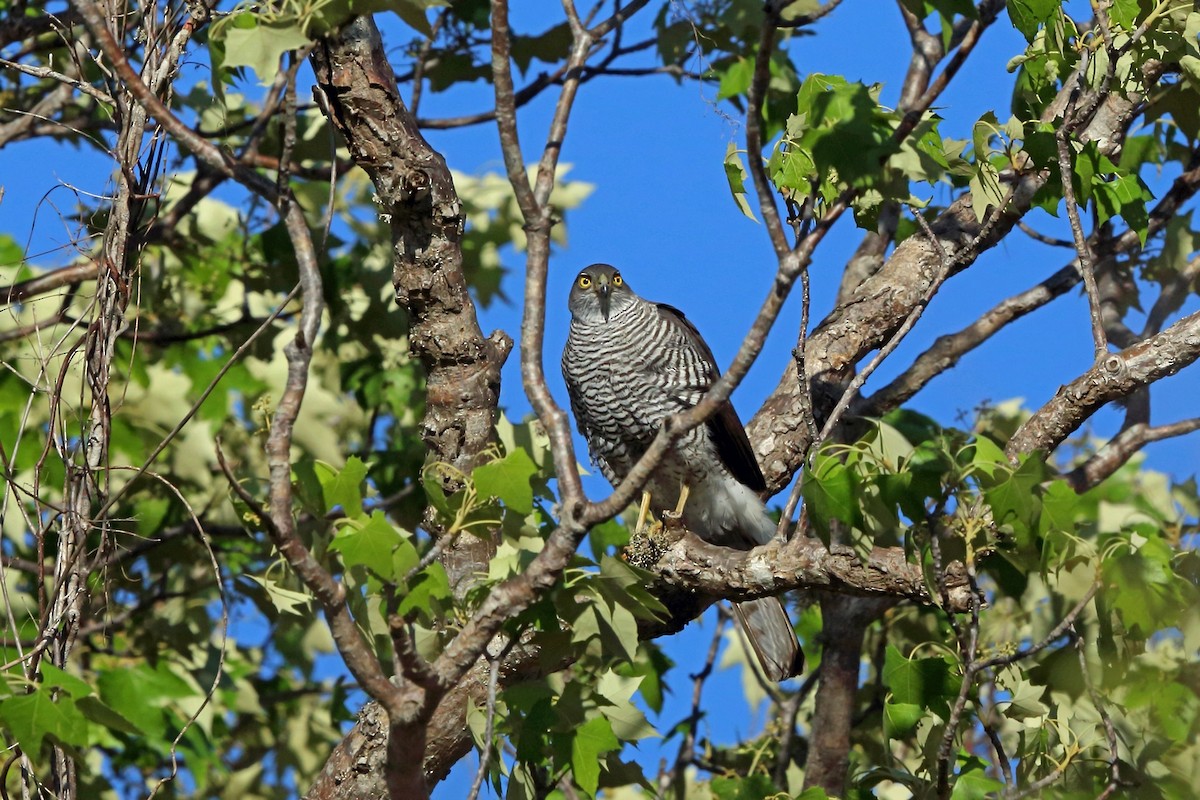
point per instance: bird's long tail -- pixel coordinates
(766, 625)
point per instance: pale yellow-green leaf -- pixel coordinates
(261, 46)
(243, 781)
(735, 174)
(286, 601)
(986, 191)
(628, 722)
(888, 447)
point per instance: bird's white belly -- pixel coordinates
(719, 509)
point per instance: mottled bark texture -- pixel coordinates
(417, 198)
(1114, 377)
(684, 560)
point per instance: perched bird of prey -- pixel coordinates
(630, 364)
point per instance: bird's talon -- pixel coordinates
(643, 511)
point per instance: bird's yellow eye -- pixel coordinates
(617, 280)
(585, 282)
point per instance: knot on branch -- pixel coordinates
(1115, 367)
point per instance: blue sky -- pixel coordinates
(662, 213)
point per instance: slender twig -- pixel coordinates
(687, 747)
(1038, 236)
(48, 281)
(421, 62)
(223, 626)
(1115, 453)
(75, 83)
(1063, 628)
(968, 647)
(1082, 250)
(485, 752)
(945, 264)
(755, 95)
(1004, 766)
(1110, 732)
(987, 13)
(537, 221)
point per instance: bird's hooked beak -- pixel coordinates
(604, 289)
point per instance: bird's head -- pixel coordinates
(598, 291)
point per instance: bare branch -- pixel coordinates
(947, 349)
(1119, 375)
(1113, 455)
(801, 563)
(881, 303)
(1086, 262)
(754, 143)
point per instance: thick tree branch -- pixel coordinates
(691, 563)
(420, 203)
(1117, 376)
(879, 306)
(1114, 454)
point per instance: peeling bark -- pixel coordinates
(418, 200)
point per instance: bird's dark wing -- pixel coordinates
(730, 437)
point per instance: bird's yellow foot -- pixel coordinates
(643, 511)
(674, 519)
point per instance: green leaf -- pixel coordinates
(1123, 14)
(628, 723)
(343, 487)
(1124, 195)
(844, 128)
(986, 190)
(590, 741)
(371, 545)
(973, 782)
(1173, 705)
(255, 42)
(1027, 15)
(139, 693)
(105, 715)
(988, 457)
(901, 719)
(284, 600)
(735, 174)
(427, 588)
(829, 492)
(924, 682)
(150, 513)
(507, 479)
(736, 79)
(1140, 586)
(1014, 498)
(34, 716)
(55, 678)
